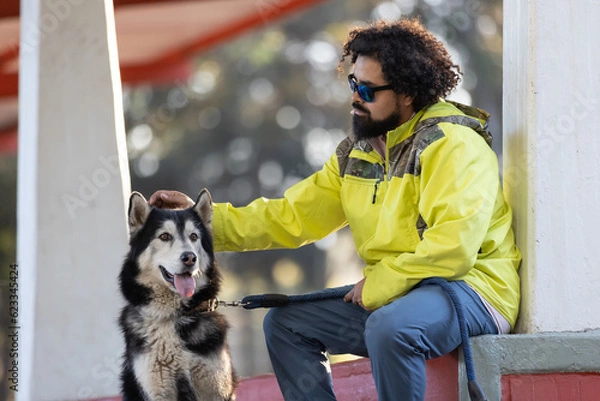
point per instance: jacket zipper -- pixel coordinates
(375, 190)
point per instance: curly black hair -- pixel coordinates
(412, 60)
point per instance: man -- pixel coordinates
(419, 187)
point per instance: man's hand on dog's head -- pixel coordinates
(170, 200)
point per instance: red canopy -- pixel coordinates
(156, 40)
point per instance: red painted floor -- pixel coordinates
(551, 387)
(353, 382)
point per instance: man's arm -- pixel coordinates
(308, 211)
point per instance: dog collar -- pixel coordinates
(209, 305)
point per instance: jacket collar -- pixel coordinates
(474, 118)
(406, 130)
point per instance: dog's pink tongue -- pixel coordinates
(185, 284)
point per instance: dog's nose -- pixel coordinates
(188, 258)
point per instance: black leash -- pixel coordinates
(277, 300)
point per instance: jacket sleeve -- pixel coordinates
(458, 186)
(308, 211)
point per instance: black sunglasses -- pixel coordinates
(366, 93)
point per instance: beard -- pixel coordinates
(364, 127)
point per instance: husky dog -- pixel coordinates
(175, 346)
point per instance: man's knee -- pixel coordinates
(384, 332)
(279, 320)
(379, 330)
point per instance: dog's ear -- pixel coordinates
(203, 208)
(138, 211)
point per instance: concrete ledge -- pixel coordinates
(523, 354)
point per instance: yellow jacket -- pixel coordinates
(433, 208)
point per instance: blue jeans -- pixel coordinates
(397, 338)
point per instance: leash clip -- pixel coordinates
(230, 303)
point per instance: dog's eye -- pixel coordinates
(165, 237)
(194, 237)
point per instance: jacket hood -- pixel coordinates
(446, 111)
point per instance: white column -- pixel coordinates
(552, 158)
(72, 192)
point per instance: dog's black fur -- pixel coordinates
(196, 338)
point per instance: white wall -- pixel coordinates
(552, 158)
(72, 188)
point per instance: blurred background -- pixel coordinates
(260, 113)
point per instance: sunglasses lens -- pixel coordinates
(365, 93)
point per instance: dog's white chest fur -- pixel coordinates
(166, 356)
(176, 347)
